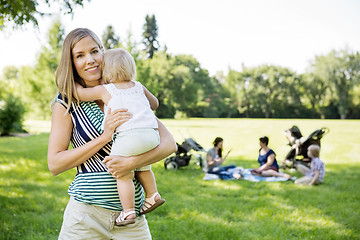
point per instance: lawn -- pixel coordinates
(32, 201)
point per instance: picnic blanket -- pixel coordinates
(246, 175)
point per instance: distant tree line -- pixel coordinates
(329, 89)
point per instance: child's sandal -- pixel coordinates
(122, 221)
(150, 204)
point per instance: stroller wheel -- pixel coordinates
(171, 165)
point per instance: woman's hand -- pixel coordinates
(118, 166)
(60, 158)
(113, 120)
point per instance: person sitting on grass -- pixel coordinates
(268, 164)
(315, 174)
(215, 159)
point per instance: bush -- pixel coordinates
(11, 115)
(165, 111)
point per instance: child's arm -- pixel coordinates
(154, 102)
(90, 94)
(315, 178)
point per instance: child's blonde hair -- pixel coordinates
(314, 150)
(118, 65)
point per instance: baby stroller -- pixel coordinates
(299, 146)
(182, 156)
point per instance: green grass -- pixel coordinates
(32, 201)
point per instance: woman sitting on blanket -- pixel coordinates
(268, 164)
(214, 161)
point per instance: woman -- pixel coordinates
(214, 161)
(94, 203)
(268, 164)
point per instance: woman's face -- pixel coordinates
(220, 144)
(262, 144)
(87, 58)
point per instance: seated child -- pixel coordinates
(315, 174)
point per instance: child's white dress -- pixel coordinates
(139, 134)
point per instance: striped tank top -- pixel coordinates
(92, 183)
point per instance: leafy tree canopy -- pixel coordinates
(27, 11)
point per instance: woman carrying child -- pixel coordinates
(136, 136)
(94, 202)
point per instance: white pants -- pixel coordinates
(83, 222)
(135, 142)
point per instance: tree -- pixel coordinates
(109, 38)
(237, 84)
(172, 80)
(264, 91)
(11, 107)
(27, 11)
(341, 70)
(155, 74)
(313, 89)
(10, 79)
(131, 46)
(39, 80)
(150, 34)
(11, 114)
(197, 94)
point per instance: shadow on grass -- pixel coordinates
(239, 209)
(32, 201)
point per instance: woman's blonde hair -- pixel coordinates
(118, 65)
(66, 74)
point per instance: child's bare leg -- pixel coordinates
(153, 198)
(126, 192)
(147, 180)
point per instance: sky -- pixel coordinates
(220, 34)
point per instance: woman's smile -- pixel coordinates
(88, 57)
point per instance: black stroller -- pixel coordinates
(182, 155)
(299, 146)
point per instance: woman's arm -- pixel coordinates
(269, 161)
(119, 166)
(209, 159)
(60, 159)
(212, 161)
(154, 102)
